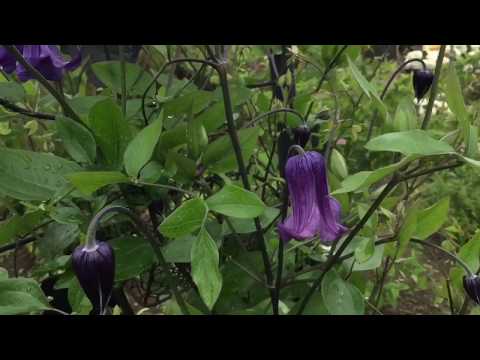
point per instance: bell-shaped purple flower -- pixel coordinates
(8, 63)
(315, 212)
(94, 267)
(422, 81)
(471, 284)
(48, 60)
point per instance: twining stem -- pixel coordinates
(160, 72)
(385, 89)
(268, 113)
(330, 66)
(433, 92)
(38, 76)
(123, 79)
(221, 70)
(333, 259)
(141, 228)
(17, 109)
(387, 240)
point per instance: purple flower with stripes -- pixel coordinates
(314, 211)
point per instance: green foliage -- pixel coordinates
(178, 171)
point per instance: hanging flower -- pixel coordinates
(48, 60)
(471, 284)
(314, 211)
(8, 63)
(94, 266)
(422, 81)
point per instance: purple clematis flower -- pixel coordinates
(314, 211)
(8, 63)
(94, 267)
(48, 60)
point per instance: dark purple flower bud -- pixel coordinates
(48, 60)
(8, 63)
(284, 142)
(94, 267)
(315, 212)
(471, 284)
(301, 135)
(422, 81)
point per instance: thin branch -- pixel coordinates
(17, 109)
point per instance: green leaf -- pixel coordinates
(137, 79)
(472, 143)
(111, 131)
(236, 202)
(413, 142)
(12, 91)
(67, 215)
(173, 137)
(219, 155)
(246, 226)
(340, 297)
(455, 101)
(365, 250)
(78, 141)
(373, 262)
(83, 104)
(431, 219)
(90, 181)
(179, 250)
(405, 116)
(182, 104)
(140, 149)
(19, 225)
(21, 296)
(186, 219)
(133, 256)
(26, 175)
(56, 239)
(213, 117)
(363, 179)
(366, 86)
(196, 135)
(205, 271)
(183, 166)
(407, 230)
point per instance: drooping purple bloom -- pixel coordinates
(95, 270)
(315, 212)
(8, 63)
(471, 284)
(422, 81)
(48, 60)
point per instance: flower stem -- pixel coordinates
(333, 259)
(330, 66)
(141, 229)
(385, 89)
(221, 70)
